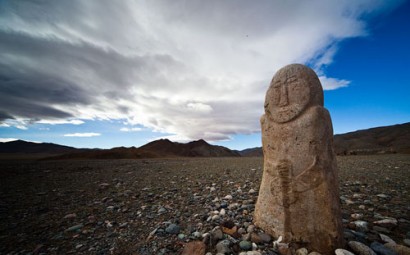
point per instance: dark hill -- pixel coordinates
(20, 146)
(200, 148)
(389, 139)
(162, 148)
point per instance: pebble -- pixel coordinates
(74, 228)
(360, 249)
(217, 234)
(343, 252)
(302, 251)
(173, 229)
(223, 247)
(70, 216)
(381, 249)
(406, 242)
(196, 247)
(250, 228)
(245, 245)
(387, 221)
(361, 225)
(222, 212)
(228, 197)
(400, 249)
(386, 239)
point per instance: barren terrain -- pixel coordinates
(156, 206)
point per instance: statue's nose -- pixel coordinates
(283, 101)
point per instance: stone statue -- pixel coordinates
(299, 193)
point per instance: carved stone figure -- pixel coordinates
(299, 193)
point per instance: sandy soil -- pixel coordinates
(114, 206)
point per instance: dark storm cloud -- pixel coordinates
(36, 72)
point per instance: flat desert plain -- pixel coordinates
(156, 206)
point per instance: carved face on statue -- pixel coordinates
(293, 89)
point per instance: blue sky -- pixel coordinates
(86, 74)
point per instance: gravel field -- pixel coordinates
(157, 206)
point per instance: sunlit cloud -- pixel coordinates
(5, 140)
(82, 134)
(135, 129)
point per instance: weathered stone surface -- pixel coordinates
(400, 249)
(194, 248)
(299, 197)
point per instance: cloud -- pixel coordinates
(192, 69)
(332, 83)
(5, 140)
(82, 134)
(60, 122)
(135, 129)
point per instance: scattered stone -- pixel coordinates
(75, 228)
(406, 242)
(381, 249)
(245, 245)
(228, 197)
(387, 221)
(217, 234)
(173, 229)
(70, 216)
(360, 249)
(302, 251)
(223, 247)
(194, 248)
(361, 226)
(342, 252)
(386, 239)
(400, 249)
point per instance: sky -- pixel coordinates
(103, 74)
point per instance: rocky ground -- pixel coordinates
(162, 206)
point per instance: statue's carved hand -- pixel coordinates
(310, 178)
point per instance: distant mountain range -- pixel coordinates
(390, 139)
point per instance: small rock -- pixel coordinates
(400, 249)
(360, 249)
(265, 237)
(181, 236)
(342, 252)
(78, 246)
(173, 229)
(406, 242)
(74, 228)
(194, 248)
(381, 249)
(245, 245)
(70, 216)
(387, 221)
(222, 212)
(228, 197)
(283, 249)
(302, 251)
(215, 217)
(223, 247)
(250, 228)
(356, 216)
(251, 191)
(197, 235)
(386, 239)
(361, 225)
(217, 234)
